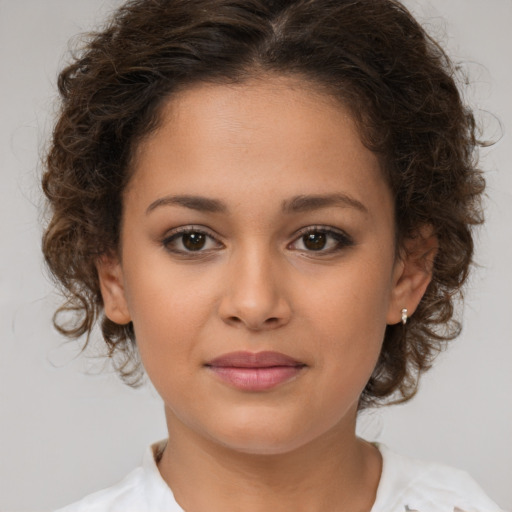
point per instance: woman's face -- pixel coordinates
(258, 264)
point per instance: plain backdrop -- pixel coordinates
(67, 429)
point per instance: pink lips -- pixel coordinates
(259, 371)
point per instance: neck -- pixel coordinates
(335, 472)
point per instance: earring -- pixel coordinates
(404, 316)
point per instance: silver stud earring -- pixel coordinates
(404, 316)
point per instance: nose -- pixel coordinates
(254, 293)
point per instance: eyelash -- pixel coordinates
(180, 233)
(341, 240)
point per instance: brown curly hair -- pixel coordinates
(371, 55)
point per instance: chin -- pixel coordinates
(258, 445)
(271, 437)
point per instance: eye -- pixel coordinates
(322, 240)
(189, 240)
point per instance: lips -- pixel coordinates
(258, 371)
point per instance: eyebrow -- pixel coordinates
(308, 203)
(199, 203)
(297, 204)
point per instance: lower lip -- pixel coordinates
(256, 379)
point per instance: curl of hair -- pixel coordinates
(371, 55)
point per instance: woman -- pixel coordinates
(271, 203)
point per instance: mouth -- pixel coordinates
(260, 371)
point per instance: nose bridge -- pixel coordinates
(255, 294)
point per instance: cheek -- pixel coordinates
(346, 318)
(165, 296)
(169, 311)
(353, 300)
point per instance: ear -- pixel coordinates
(110, 275)
(412, 273)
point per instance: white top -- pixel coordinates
(406, 485)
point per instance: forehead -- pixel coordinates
(298, 109)
(274, 131)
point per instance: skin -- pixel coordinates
(256, 285)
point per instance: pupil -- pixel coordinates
(194, 241)
(315, 241)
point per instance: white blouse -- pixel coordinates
(406, 485)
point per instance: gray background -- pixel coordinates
(66, 429)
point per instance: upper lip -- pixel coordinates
(266, 359)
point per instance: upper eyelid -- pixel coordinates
(321, 228)
(207, 231)
(189, 229)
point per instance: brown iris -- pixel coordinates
(193, 241)
(315, 241)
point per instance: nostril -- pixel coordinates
(266, 324)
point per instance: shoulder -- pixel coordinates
(409, 484)
(127, 492)
(142, 490)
